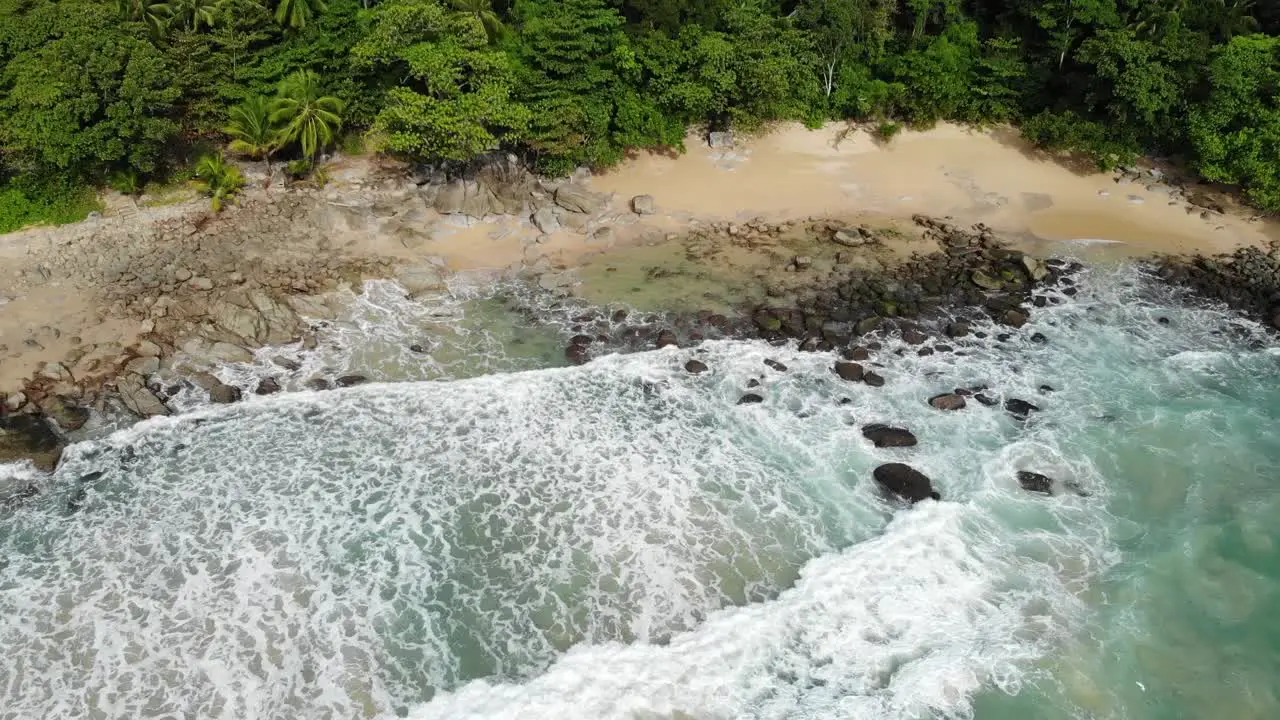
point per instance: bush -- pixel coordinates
(886, 131)
(218, 179)
(23, 204)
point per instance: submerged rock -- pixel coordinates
(1035, 482)
(905, 482)
(267, 386)
(1020, 409)
(887, 436)
(695, 367)
(750, 399)
(873, 379)
(774, 364)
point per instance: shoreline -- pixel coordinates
(122, 305)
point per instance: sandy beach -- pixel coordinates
(787, 173)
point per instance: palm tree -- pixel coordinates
(194, 13)
(218, 179)
(482, 10)
(252, 132)
(304, 115)
(296, 13)
(155, 15)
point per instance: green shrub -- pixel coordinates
(886, 131)
(218, 179)
(23, 204)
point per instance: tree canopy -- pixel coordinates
(95, 88)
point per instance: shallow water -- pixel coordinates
(622, 540)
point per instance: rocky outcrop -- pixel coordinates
(578, 199)
(1247, 280)
(138, 398)
(905, 482)
(644, 205)
(29, 437)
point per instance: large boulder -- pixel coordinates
(576, 198)
(68, 415)
(545, 220)
(421, 279)
(850, 371)
(449, 198)
(29, 437)
(948, 401)
(887, 436)
(138, 399)
(905, 482)
(644, 205)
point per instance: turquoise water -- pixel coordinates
(622, 540)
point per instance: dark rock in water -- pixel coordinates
(948, 401)
(1020, 409)
(1035, 482)
(980, 335)
(853, 372)
(25, 437)
(924, 352)
(667, 338)
(886, 436)
(581, 340)
(856, 354)
(619, 316)
(873, 379)
(1014, 318)
(351, 380)
(957, 329)
(911, 336)
(775, 365)
(905, 482)
(986, 400)
(317, 384)
(846, 401)
(577, 354)
(1039, 339)
(224, 394)
(1070, 291)
(417, 349)
(1040, 301)
(267, 386)
(1166, 321)
(753, 383)
(695, 367)
(750, 399)
(1047, 389)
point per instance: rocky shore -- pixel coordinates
(194, 290)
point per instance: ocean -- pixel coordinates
(498, 535)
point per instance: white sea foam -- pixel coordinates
(615, 540)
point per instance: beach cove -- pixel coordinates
(603, 451)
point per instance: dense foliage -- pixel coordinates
(99, 89)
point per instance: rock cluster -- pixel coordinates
(1247, 280)
(974, 271)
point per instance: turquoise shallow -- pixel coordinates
(623, 540)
